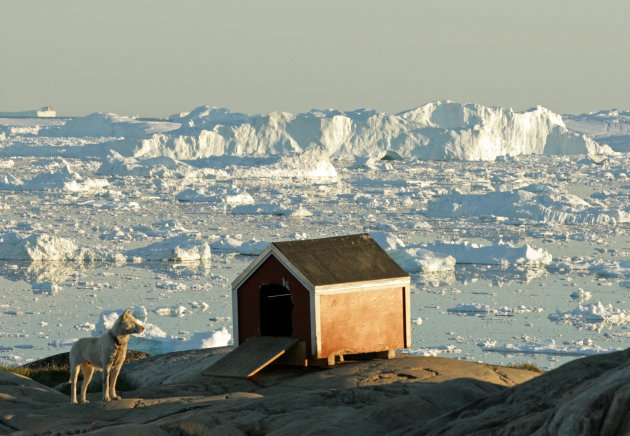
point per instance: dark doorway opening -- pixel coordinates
(276, 310)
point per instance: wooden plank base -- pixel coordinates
(251, 356)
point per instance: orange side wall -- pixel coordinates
(362, 322)
(272, 272)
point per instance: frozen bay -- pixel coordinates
(540, 243)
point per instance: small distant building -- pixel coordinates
(44, 112)
(338, 296)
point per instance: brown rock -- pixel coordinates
(588, 396)
(368, 397)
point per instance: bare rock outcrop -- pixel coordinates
(589, 396)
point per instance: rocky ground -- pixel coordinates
(406, 395)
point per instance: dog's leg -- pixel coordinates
(88, 372)
(112, 382)
(74, 378)
(106, 376)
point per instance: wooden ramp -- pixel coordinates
(251, 356)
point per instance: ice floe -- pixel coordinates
(229, 243)
(176, 249)
(433, 351)
(262, 209)
(311, 165)
(233, 196)
(174, 311)
(524, 203)
(117, 165)
(599, 267)
(422, 260)
(581, 295)
(60, 178)
(44, 247)
(578, 348)
(154, 340)
(442, 256)
(498, 253)
(474, 308)
(593, 313)
(413, 259)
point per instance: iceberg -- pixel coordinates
(441, 130)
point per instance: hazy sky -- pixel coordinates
(156, 57)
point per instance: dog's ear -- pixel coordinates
(126, 313)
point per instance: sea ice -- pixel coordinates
(433, 351)
(232, 244)
(611, 127)
(416, 259)
(496, 254)
(60, 178)
(117, 165)
(174, 311)
(176, 249)
(484, 308)
(524, 203)
(108, 125)
(233, 196)
(155, 341)
(593, 313)
(579, 348)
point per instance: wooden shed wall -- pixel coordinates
(362, 322)
(271, 271)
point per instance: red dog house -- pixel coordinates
(340, 295)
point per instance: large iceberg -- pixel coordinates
(440, 130)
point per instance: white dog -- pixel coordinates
(105, 353)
